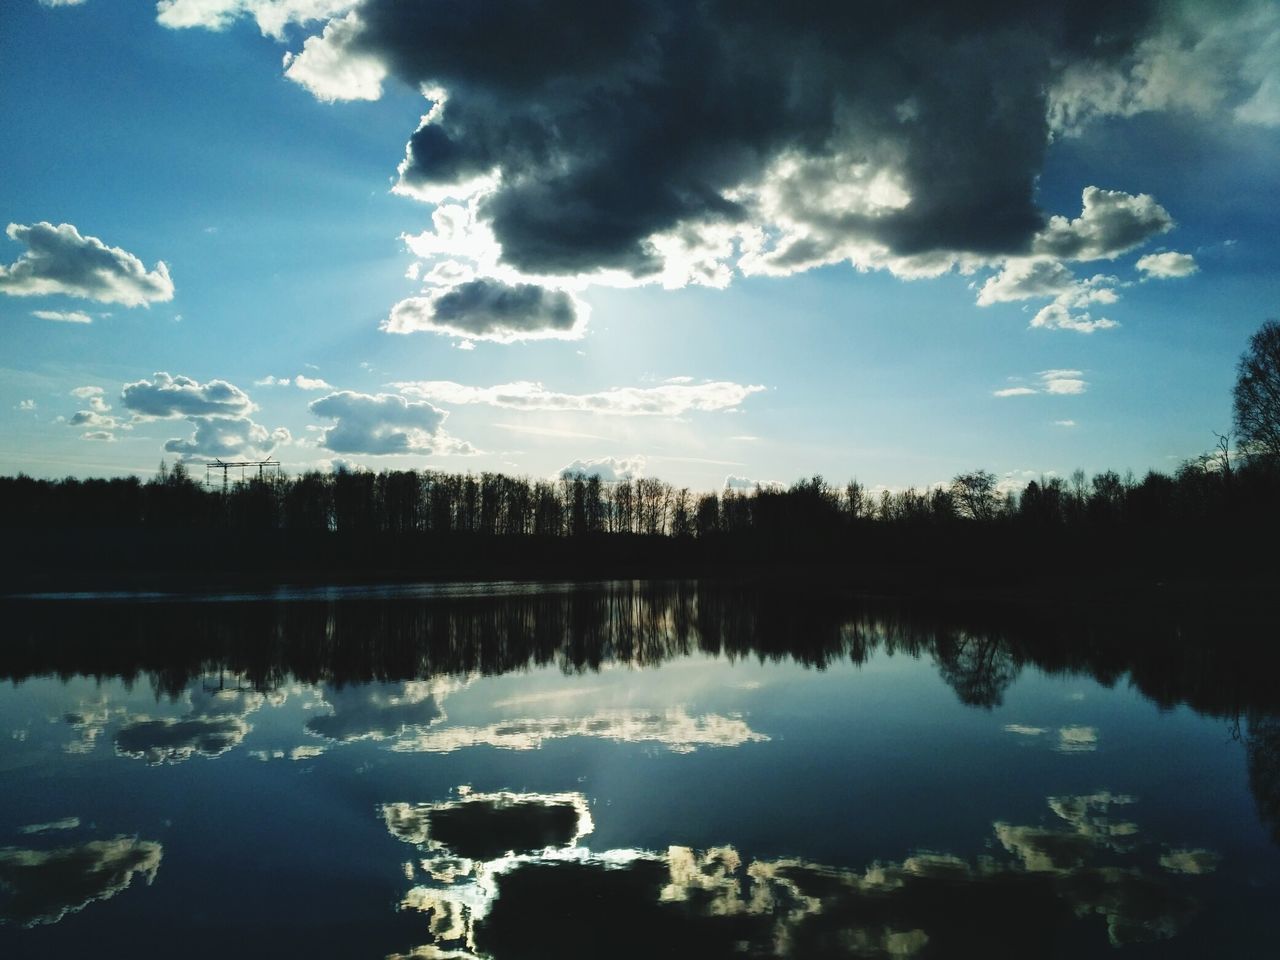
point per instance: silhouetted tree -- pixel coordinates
(975, 495)
(1257, 394)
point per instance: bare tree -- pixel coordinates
(975, 495)
(1257, 394)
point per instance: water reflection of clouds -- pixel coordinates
(1073, 739)
(172, 741)
(88, 721)
(484, 826)
(66, 823)
(1194, 862)
(674, 728)
(546, 696)
(641, 903)
(379, 711)
(214, 724)
(43, 886)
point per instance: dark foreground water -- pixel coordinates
(629, 770)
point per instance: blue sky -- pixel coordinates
(269, 199)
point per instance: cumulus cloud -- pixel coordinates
(1168, 264)
(623, 140)
(332, 70)
(92, 418)
(165, 396)
(228, 437)
(1060, 382)
(1213, 61)
(97, 418)
(26, 406)
(1025, 278)
(608, 469)
(62, 316)
(60, 260)
(384, 424)
(1058, 316)
(492, 310)
(659, 142)
(667, 399)
(61, 3)
(1111, 223)
(272, 16)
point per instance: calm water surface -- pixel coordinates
(625, 770)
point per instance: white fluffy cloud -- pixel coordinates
(60, 260)
(166, 396)
(668, 399)
(1059, 382)
(608, 469)
(1167, 265)
(97, 421)
(330, 70)
(384, 424)
(228, 437)
(1111, 223)
(217, 410)
(492, 310)
(1213, 60)
(1059, 316)
(272, 16)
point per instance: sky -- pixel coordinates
(716, 242)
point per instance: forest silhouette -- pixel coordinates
(1213, 516)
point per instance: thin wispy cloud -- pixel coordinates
(1056, 382)
(666, 400)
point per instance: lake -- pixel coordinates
(630, 769)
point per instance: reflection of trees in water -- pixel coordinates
(978, 667)
(1263, 746)
(1215, 668)
(538, 893)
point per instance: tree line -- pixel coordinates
(1219, 511)
(1210, 489)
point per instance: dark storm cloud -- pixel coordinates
(609, 124)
